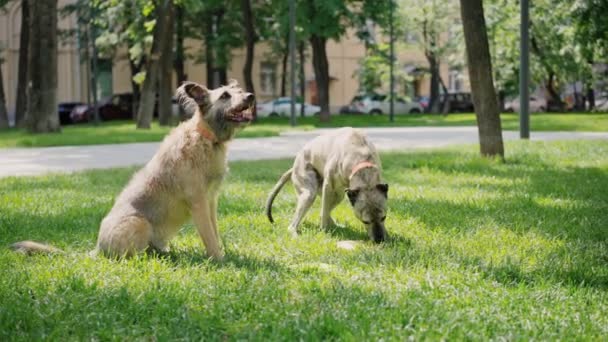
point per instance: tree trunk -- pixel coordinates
(250, 39)
(42, 114)
(429, 52)
(209, 60)
(321, 67)
(135, 69)
(222, 74)
(434, 104)
(3, 112)
(178, 64)
(480, 74)
(445, 105)
(24, 42)
(148, 92)
(555, 101)
(590, 96)
(302, 77)
(284, 68)
(165, 80)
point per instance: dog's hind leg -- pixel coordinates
(306, 184)
(124, 238)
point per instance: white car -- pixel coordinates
(380, 104)
(282, 107)
(601, 103)
(536, 104)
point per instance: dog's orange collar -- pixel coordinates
(206, 133)
(359, 166)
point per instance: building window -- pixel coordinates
(455, 81)
(268, 78)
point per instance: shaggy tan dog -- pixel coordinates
(181, 181)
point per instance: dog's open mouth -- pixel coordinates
(242, 113)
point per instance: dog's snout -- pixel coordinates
(379, 238)
(378, 234)
(249, 98)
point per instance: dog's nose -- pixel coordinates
(249, 98)
(379, 234)
(379, 238)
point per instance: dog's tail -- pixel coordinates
(284, 178)
(33, 247)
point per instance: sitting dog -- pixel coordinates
(331, 164)
(182, 180)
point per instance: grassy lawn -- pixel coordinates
(538, 122)
(115, 132)
(479, 250)
(125, 132)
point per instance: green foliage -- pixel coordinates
(479, 250)
(502, 23)
(435, 28)
(218, 24)
(561, 42)
(374, 69)
(592, 27)
(554, 31)
(126, 23)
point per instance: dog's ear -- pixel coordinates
(383, 188)
(197, 92)
(352, 195)
(233, 83)
(191, 96)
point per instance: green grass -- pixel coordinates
(479, 250)
(538, 122)
(125, 132)
(114, 132)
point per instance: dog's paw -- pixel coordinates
(216, 256)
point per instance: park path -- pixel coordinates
(36, 161)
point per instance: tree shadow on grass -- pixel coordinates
(185, 257)
(563, 203)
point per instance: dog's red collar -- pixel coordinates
(206, 133)
(359, 166)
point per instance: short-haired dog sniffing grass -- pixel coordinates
(343, 161)
(182, 180)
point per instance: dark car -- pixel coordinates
(459, 102)
(115, 107)
(65, 108)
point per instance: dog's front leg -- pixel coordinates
(201, 214)
(326, 204)
(213, 215)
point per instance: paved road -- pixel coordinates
(35, 161)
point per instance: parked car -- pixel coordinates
(115, 107)
(423, 100)
(355, 105)
(65, 108)
(380, 104)
(536, 104)
(282, 107)
(601, 103)
(459, 102)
